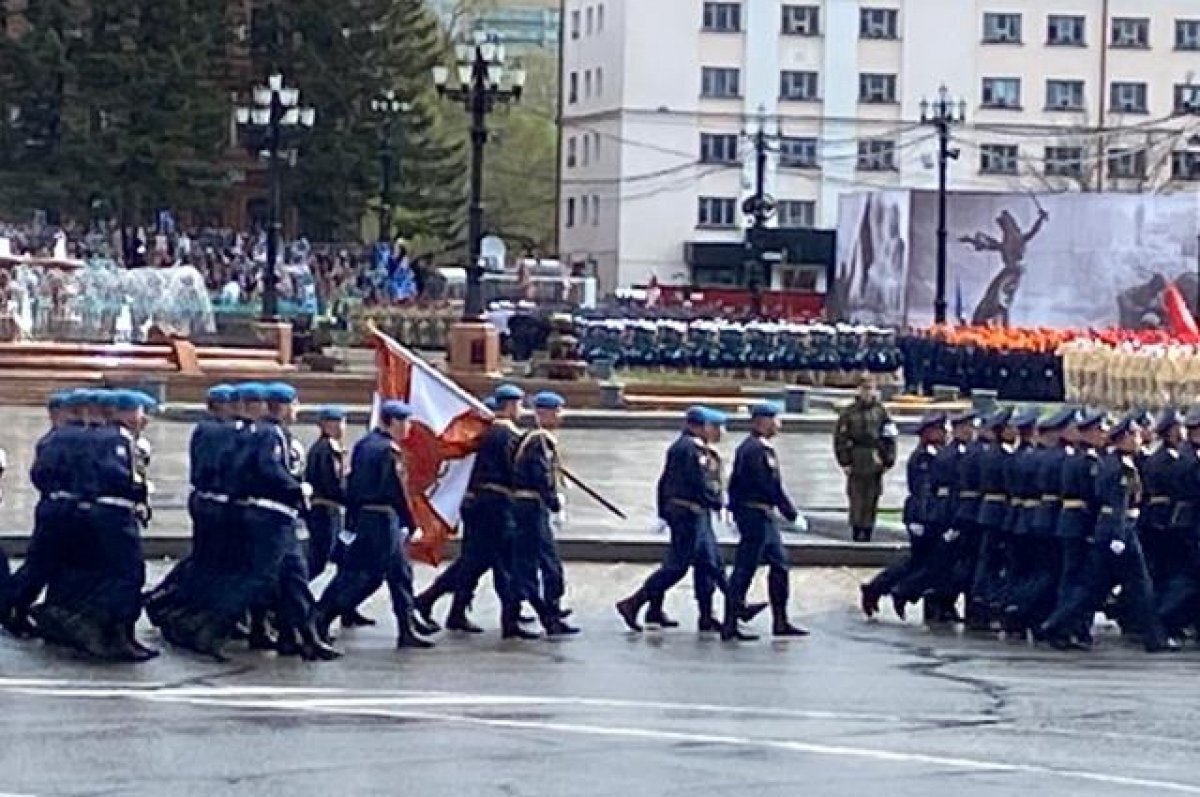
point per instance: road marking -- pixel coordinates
(391, 705)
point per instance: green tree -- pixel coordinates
(340, 56)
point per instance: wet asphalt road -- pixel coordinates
(859, 709)
(622, 465)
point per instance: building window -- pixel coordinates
(583, 209)
(1001, 92)
(1002, 28)
(799, 86)
(797, 153)
(1185, 165)
(1187, 98)
(587, 84)
(587, 150)
(1127, 164)
(1187, 34)
(717, 211)
(1064, 162)
(591, 20)
(596, 146)
(801, 20)
(575, 23)
(572, 152)
(595, 210)
(797, 213)
(878, 23)
(718, 148)
(723, 17)
(1064, 95)
(599, 82)
(1128, 32)
(600, 18)
(1065, 30)
(876, 88)
(720, 82)
(571, 211)
(1129, 97)
(573, 91)
(998, 159)
(877, 155)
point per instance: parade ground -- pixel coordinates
(858, 709)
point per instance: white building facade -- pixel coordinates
(662, 100)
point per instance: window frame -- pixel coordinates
(810, 212)
(709, 25)
(1062, 170)
(709, 148)
(988, 155)
(1051, 27)
(1074, 108)
(1005, 15)
(788, 162)
(1142, 23)
(1124, 155)
(725, 72)
(786, 16)
(707, 203)
(1119, 85)
(890, 22)
(890, 80)
(813, 79)
(988, 85)
(881, 159)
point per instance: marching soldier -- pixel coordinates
(380, 520)
(487, 521)
(865, 445)
(904, 581)
(948, 487)
(1024, 500)
(325, 471)
(987, 584)
(1156, 471)
(756, 498)
(1114, 555)
(689, 491)
(537, 479)
(1177, 580)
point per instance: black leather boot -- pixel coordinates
(631, 607)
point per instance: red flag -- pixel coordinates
(1180, 321)
(447, 426)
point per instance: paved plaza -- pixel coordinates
(858, 709)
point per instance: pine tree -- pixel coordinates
(341, 56)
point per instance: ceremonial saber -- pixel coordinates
(595, 496)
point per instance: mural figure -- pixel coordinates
(996, 303)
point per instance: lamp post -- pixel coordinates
(387, 108)
(942, 113)
(480, 88)
(271, 118)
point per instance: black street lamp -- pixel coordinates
(388, 109)
(480, 87)
(274, 114)
(942, 113)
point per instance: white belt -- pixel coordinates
(124, 503)
(274, 506)
(214, 497)
(63, 495)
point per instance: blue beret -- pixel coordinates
(508, 392)
(109, 399)
(221, 394)
(280, 393)
(715, 417)
(1167, 420)
(394, 411)
(251, 391)
(121, 400)
(142, 400)
(331, 414)
(77, 398)
(1090, 420)
(1000, 418)
(491, 403)
(1192, 419)
(765, 409)
(548, 400)
(1059, 420)
(696, 415)
(58, 399)
(931, 420)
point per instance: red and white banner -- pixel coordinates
(447, 426)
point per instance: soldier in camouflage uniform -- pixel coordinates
(864, 442)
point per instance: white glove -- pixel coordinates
(950, 535)
(301, 532)
(562, 499)
(306, 489)
(557, 522)
(659, 527)
(412, 535)
(150, 489)
(346, 537)
(1117, 547)
(916, 529)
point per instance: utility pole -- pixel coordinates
(942, 113)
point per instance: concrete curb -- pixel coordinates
(633, 420)
(607, 550)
